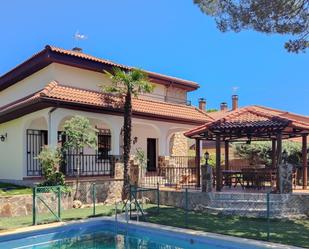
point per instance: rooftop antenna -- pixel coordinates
(78, 37)
(235, 89)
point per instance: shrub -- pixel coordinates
(50, 159)
(260, 152)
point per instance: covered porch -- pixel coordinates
(159, 140)
(251, 124)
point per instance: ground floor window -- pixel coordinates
(36, 139)
(104, 143)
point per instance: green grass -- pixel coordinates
(66, 215)
(292, 232)
(13, 189)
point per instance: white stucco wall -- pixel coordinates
(76, 77)
(27, 86)
(11, 150)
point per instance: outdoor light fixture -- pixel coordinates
(206, 156)
(3, 137)
(135, 140)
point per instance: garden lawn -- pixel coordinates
(293, 232)
(7, 189)
(66, 215)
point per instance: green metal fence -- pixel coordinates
(262, 216)
(55, 203)
(46, 203)
(138, 203)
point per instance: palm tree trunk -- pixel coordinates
(127, 128)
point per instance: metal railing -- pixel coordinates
(173, 177)
(177, 172)
(88, 165)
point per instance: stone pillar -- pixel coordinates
(118, 170)
(285, 178)
(135, 172)
(206, 178)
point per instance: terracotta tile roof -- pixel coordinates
(114, 64)
(51, 54)
(253, 117)
(65, 94)
(85, 56)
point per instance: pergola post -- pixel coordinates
(279, 158)
(305, 160)
(218, 164)
(273, 153)
(226, 155)
(198, 161)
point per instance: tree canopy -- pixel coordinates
(127, 84)
(260, 152)
(290, 17)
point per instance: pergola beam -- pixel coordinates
(279, 158)
(198, 161)
(305, 160)
(218, 164)
(226, 155)
(273, 152)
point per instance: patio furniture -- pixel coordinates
(232, 178)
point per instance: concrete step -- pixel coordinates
(261, 212)
(242, 204)
(248, 196)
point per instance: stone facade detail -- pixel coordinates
(178, 145)
(285, 178)
(241, 204)
(206, 178)
(118, 170)
(106, 192)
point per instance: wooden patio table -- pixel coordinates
(232, 176)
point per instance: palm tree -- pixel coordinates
(127, 84)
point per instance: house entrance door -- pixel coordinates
(151, 154)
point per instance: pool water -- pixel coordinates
(106, 240)
(106, 234)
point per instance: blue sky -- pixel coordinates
(167, 36)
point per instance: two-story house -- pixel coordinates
(40, 94)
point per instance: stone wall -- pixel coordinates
(178, 145)
(244, 204)
(107, 192)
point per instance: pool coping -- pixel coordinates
(138, 224)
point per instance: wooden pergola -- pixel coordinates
(253, 123)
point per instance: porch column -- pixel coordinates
(163, 142)
(273, 153)
(53, 123)
(116, 139)
(218, 164)
(226, 155)
(279, 158)
(198, 161)
(305, 160)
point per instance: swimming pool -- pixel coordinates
(107, 234)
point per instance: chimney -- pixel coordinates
(77, 49)
(223, 106)
(234, 102)
(202, 104)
